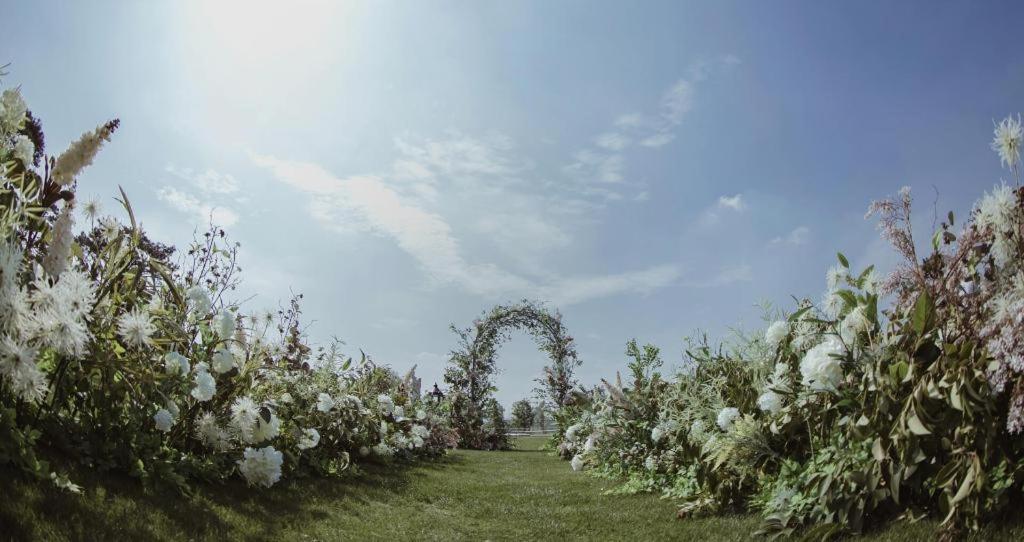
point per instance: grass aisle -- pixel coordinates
(519, 495)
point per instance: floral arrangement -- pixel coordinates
(893, 397)
(115, 355)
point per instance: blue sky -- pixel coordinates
(648, 168)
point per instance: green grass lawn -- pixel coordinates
(519, 495)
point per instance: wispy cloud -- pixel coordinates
(201, 211)
(208, 181)
(724, 277)
(725, 205)
(604, 162)
(798, 236)
(429, 239)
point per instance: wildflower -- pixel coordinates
(210, 433)
(223, 360)
(310, 438)
(76, 294)
(383, 450)
(81, 153)
(205, 385)
(1006, 141)
(224, 324)
(387, 406)
(853, 325)
(92, 208)
(200, 299)
(59, 250)
(324, 402)
(570, 433)
(820, 368)
(110, 228)
(420, 431)
(175, 363)
(835, 275)
(421, 414)
(995, 210)
(650, 463)
(577, 462)
(136, 327)
(776, 333)
(266, 430)
(398, 412)
(18, 367)
(164, 420)
(261, 467)
(24, 149)
(12, 110)
(770, 402)
(726, 417)
(10, 264)
(286, 398)
(588, 446)
(244, 413)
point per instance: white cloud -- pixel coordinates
(677, 102)
(735, 203)
(203, 212)
(368, 202)
(590, 165)
(208, 182)
(577, 289)
(798, 236)
(612, 141)
(658, 140)
(725, 277)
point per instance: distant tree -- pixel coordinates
(497, 427)
(541, 414)
(522, 414)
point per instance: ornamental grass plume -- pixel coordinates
(57, 254)
(81, 153)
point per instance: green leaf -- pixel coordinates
(916, 427)
(843, 260)
(923, 312)
(950, 217)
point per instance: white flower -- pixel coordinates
(176, 364)
(164, 420)
(92, 208)
(205, 385)
(286, 398)
(588, 446)
(136, 327)
(776, 333)
(820, 369)
(110, 228)
(76, 293)
(1006, 141)
(383, 450)
(324, 402)
(726, 417)
(697, 430)
(59, 250)
(265, 430)
(210, 433)
(995, 210)
(835, 275)
(244, 413)
(420, 431)
(770, 402)
(853, 325)
(399, 412)
(223, 360)
(200, 299)
(18, 367)
(261, 467)
(650, 463)
(81, 153)
(364, 451)
(570, 433)
(24, 149)
(224, 324)
(657, 434)
(387, 406)
(310, 438)
(421, 414)
(12, 110)
(10, 264)
(577, 462)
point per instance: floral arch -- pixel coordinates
(475, 414)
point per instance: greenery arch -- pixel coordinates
(476, 416)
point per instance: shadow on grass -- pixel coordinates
(114, 506)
